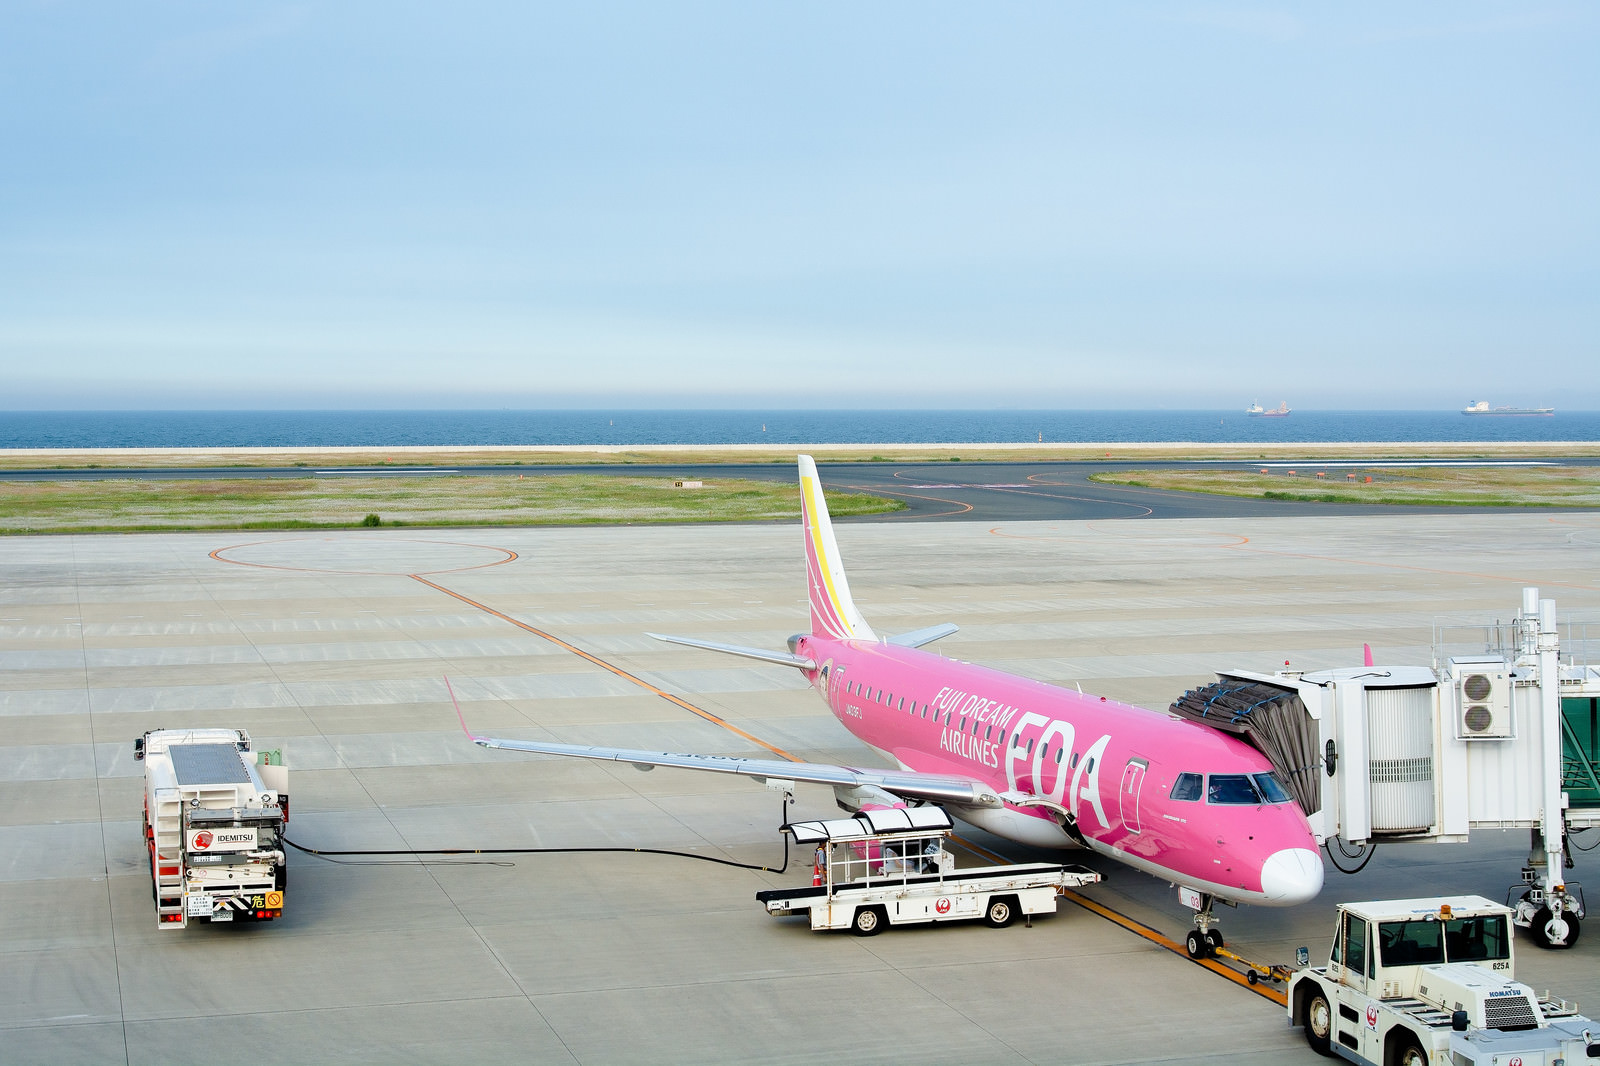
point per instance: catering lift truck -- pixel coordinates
(889, 866)
(1414, 981)
(214, 812)
(1501, 732)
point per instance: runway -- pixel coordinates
(333, 647)
(960, 492)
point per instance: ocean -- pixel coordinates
(215, 429)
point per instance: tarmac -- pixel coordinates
(333, 647)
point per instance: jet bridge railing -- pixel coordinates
(1516, 639)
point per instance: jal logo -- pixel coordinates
(1372, 1015)
(943, 906)
(202, 840)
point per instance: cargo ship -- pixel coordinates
(1481, 407)
(1255, 410)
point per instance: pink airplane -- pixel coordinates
(1034, 763)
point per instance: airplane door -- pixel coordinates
(1132, 781)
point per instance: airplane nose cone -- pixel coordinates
(1290, 876)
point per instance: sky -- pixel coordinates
(821, 205)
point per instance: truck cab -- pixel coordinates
(1419, 980)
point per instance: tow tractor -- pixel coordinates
(1414, 981)
(890, 867)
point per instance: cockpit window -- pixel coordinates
(1187, 787)
(1271, 788)
(1232, 788)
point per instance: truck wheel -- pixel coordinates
(869, 921)
(1318, 1020)
(1411, 1053)
(1543, 918)
(1002, 912)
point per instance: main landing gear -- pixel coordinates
(1205, 938)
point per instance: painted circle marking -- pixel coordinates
(362, 553)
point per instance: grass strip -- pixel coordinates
(1433, 486)
(130, 505)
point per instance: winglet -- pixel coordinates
(461, 717)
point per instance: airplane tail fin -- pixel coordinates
(833, 612)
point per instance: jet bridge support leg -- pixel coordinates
(1548, 909)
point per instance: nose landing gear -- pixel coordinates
(1205, 938)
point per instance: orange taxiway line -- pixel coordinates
(1103, 911)
(1138, 928)
(617, 670)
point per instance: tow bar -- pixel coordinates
(1255, 972)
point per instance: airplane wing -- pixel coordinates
(937, 788)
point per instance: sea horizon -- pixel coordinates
(220, 428)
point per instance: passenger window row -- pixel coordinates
(856, 688)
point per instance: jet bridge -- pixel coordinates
(1502, 731)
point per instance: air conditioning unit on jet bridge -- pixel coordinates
(1483, 698)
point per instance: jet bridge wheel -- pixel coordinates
(1540, 929)
(868, 921)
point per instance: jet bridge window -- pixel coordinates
(1187, 787)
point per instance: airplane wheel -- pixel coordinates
(1319, 1023)
(1196, 945)
(869, 921)
(1002, 912)
(1214, 939)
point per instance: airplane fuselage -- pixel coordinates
(1151, 790)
